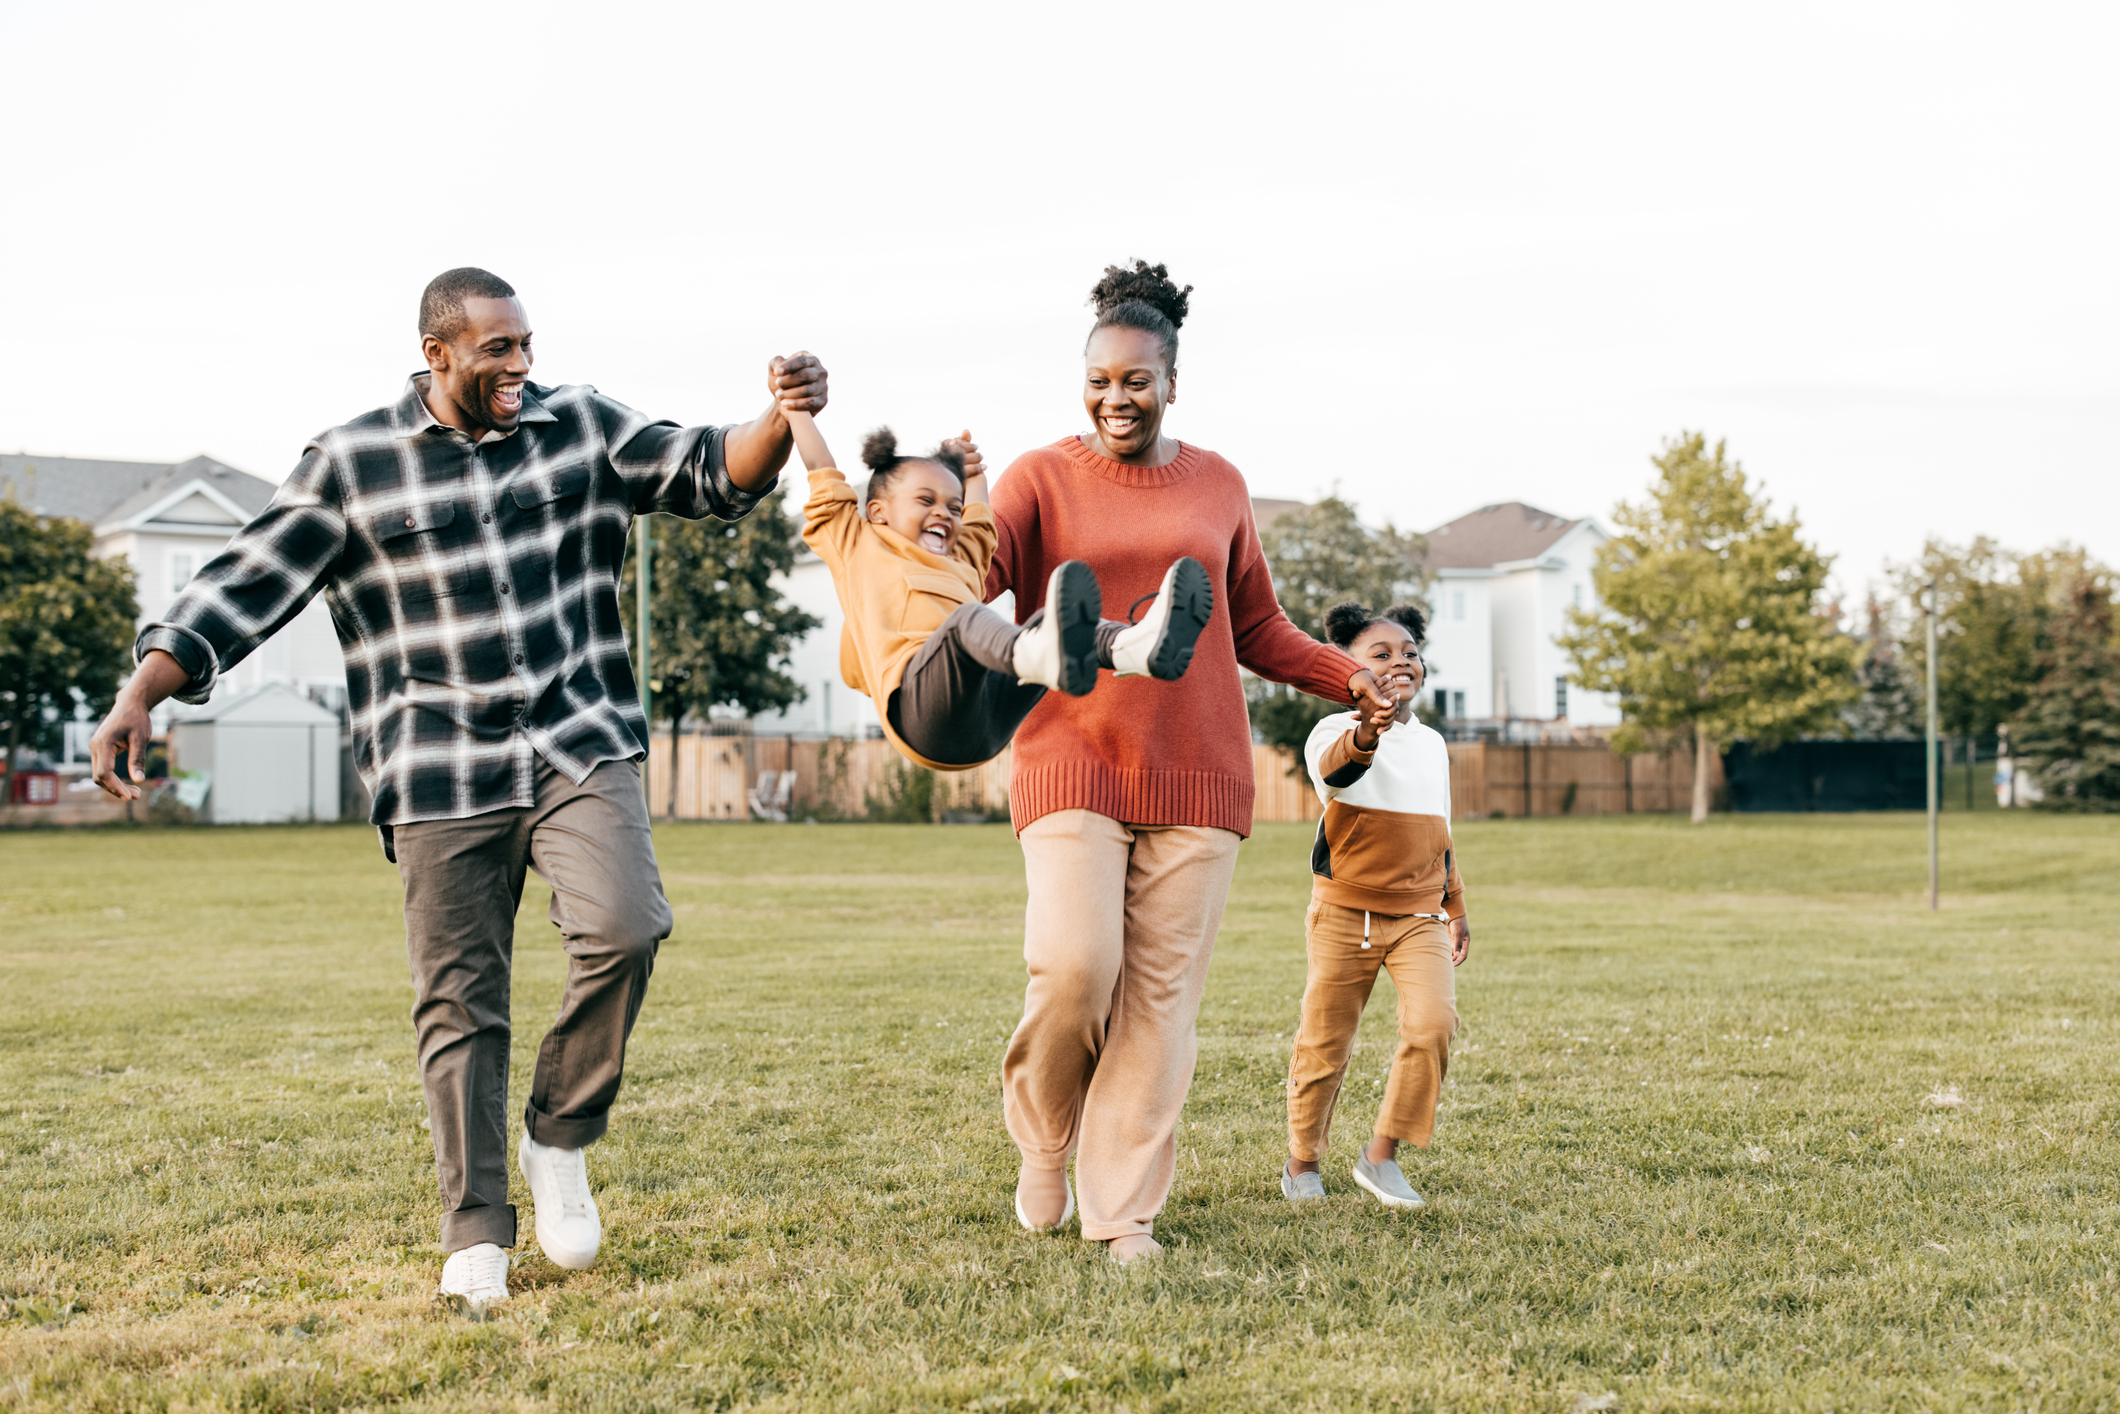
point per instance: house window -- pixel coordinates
(179, 572)
(1442, 702)
(1560, 697)
(1457, 605)
(1578, 596)
(1457, 704)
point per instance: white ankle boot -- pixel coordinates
(1161, 645)
(569, 1229)
(1060, 652)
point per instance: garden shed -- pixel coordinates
(268, 755)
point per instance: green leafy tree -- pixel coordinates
(1989, 627)
(2070, 729)
(1322, 555)
(1994, 616)
(1713, 620)
(1890, 708)
(721, 635)
(66, 628)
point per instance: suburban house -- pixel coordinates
(168, 520)
(1505, 577)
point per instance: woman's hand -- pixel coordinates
(1372, 725)
(964, 446)
(1368, 693)
(1460, 940)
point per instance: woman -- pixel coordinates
(1131, 802)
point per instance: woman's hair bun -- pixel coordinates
(1411, 617)
(1344, 622)
(879, 450)
(1144, 284)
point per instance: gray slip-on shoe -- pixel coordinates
(1387, 1183)
(1301, 1187)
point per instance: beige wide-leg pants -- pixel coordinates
(1117, 934)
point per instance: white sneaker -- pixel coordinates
(478, 1273)
(1161, 645)
(1387, 1182)
(569, 1230)
(1060, 652)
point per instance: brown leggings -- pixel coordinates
(1416, 951)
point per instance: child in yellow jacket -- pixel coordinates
(909, 557)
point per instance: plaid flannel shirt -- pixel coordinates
(474, 586)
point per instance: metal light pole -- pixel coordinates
(643, 585)
(1930, 590)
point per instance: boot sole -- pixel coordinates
(1074, 598)
(1192, 604)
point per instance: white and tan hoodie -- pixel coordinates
(1384, 844)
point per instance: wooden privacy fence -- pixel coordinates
(841, 778)
(1492, 780)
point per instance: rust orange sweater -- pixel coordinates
(1141, 751)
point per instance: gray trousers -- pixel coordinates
(463, 885)
(959, 701)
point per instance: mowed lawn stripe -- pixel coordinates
(1733, 1122)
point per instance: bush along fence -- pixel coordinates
(842, 778)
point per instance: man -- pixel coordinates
(468, 539)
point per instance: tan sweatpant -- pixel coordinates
(1117, 934)
(1416, 951)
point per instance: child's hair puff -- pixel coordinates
(1346, 622)
(1143, 298)
(879, 453)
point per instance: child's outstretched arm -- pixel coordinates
(816, 456)
(974, 467)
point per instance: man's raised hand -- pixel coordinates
(797, 383)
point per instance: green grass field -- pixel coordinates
(1734, 1123)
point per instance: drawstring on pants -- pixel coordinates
(1438, 917)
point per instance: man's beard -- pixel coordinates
(478, 410)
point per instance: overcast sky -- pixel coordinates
(1445, 255)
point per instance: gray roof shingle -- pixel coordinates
(98, 491)
(1495, 535)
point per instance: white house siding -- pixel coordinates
(304, 654)
(1461, 642)
(1563, 582)
(831, 707)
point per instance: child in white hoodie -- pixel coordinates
(1385, 892)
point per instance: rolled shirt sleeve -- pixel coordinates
(681, 471)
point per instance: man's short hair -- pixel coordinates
(442, 304)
